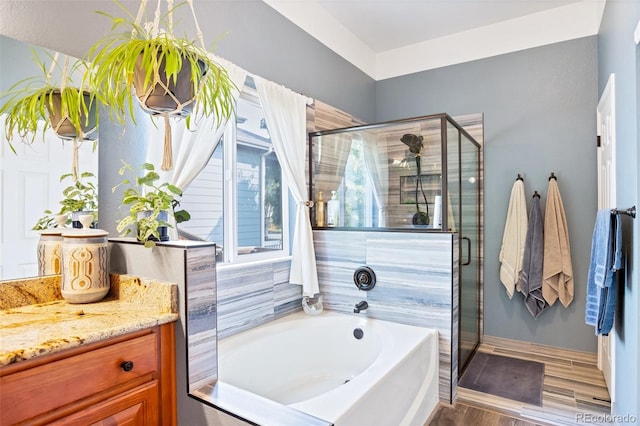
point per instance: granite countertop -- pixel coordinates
(28, 330)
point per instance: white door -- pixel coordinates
(30, 184)
(607, 199)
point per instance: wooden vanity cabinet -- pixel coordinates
(124, 380)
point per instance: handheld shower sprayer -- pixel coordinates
(415, 145)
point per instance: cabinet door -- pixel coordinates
(137, 407)
(81, 375)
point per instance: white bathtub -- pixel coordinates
(315, 364)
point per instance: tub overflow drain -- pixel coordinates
(364, 278)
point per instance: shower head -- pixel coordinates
(413, 142)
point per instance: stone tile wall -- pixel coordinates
(254, 294)
(417, 283)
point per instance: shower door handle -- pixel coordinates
(468, 240)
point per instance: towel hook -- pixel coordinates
(535, 194)
(520, 177)
(553, 176)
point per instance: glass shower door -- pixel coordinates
(469, 250)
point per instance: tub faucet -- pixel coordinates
(360, 306)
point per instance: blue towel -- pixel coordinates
(606, 259)
(532, 262)
(597, 266)
(608, 297)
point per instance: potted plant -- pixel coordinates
(36, 103)
(149, 204)
(80, 198)
(169, 75)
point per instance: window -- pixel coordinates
(239, 200)
(360, 209)
(358, 206)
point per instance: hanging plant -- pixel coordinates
(37, 103)
(168, 75)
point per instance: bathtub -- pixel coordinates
(315, 364)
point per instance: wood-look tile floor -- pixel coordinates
(574, 392)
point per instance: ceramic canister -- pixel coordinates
(85, 265)
(49, 254)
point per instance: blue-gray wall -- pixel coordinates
(18, 64)
(263, 42)
(256, 38)
(618, 54)
(249, 33)
(539, 107)
(266, 44)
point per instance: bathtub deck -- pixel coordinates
(262, 411)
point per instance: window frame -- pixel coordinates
(230, 193)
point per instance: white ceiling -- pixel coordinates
(385, 25)
(387, 38)
(383, 38)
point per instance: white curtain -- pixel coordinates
(192, 147)
(376, 161)
(332, 157)
(285, 114)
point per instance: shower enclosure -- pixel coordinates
(420, 174)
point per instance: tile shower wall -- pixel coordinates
(417, 283)
(251, 295)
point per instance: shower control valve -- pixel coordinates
(364, 278)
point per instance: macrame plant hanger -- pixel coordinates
(167, 158)
(80, 135)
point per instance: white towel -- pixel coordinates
(558, 271)
(513, 239)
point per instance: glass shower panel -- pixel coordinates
(383, 176)
(453, 178)
(470, 247)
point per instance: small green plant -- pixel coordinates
(144, 194)
(45, 222)
(145, 59)
(36, 103)
(80, 195)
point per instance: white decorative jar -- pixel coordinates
(85, 265)
(49, 252)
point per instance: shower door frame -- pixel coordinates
(478, 243)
